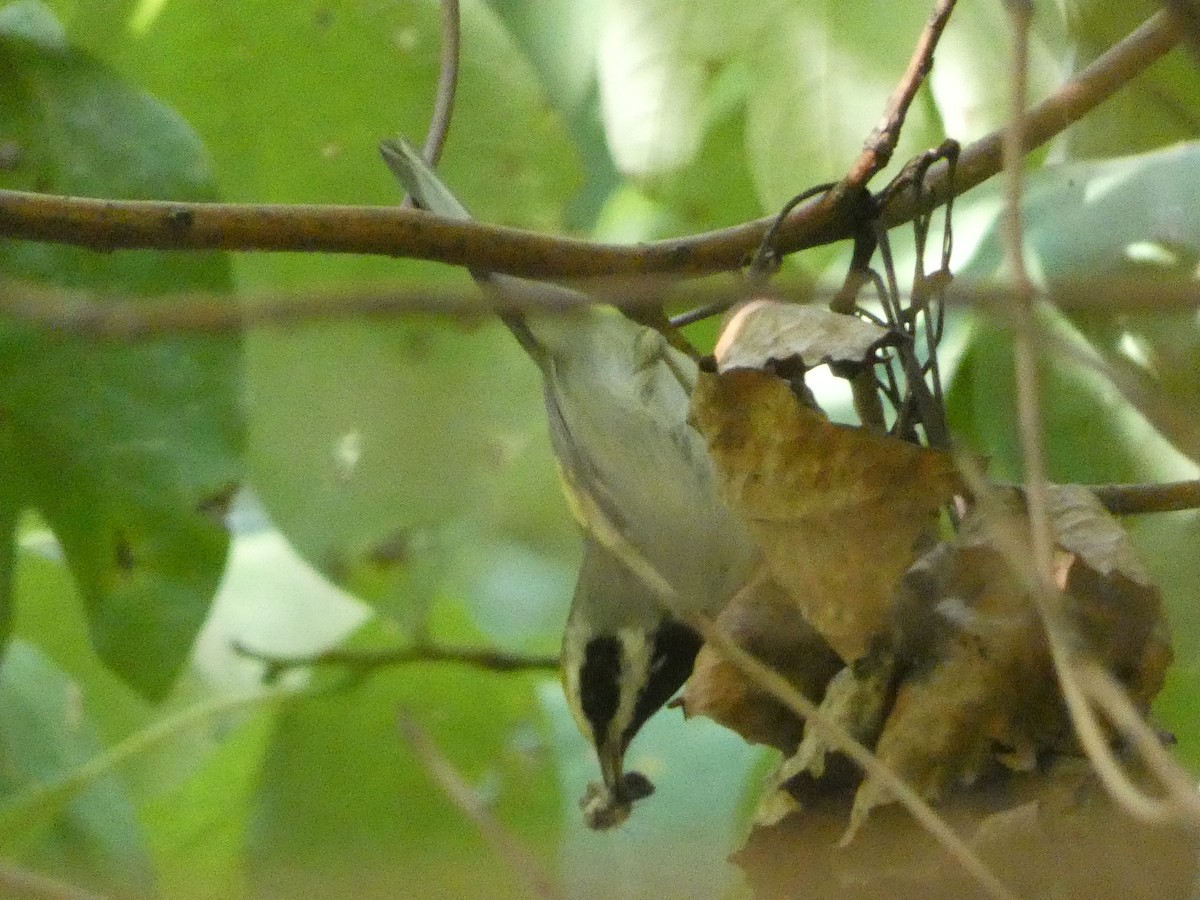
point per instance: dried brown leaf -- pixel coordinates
(763, 620)
(838, 511)
(982, 685)
(766, 332)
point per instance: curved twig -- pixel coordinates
(881, 144)
(443, 106)
(165, 225)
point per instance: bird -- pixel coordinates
(659, 544)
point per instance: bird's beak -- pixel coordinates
(612, 767)
(608, 805)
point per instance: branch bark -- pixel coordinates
(388, 231)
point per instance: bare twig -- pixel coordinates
(1187, 15)
(21, 884)
(443, 106)
(365, 661)
(447, 85)
(881, 144)
(505, 845)
(389, 231)
(1024, 296)
(1138, 499)
(94, 315)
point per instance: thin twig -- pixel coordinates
(96, 315)
(456, 788)
(21, 884)
(1138, 499)
(879, 147)
(390, 231)
(366, 661)
(447, 85)
(443, 105)
(1024, 296)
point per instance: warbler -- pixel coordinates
(641, 484)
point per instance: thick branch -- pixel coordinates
(389, 231)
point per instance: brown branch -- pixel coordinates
(389, 231)
(1187, 16)
(881, 144)
(1138, 499)
(363, 662)
(117, 317)
(1115, 68)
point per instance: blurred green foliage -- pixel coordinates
(385, 479)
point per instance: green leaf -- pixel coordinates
(199, 829)
(348, 810)
(1131, 216)
(970, 78)
(127, 451)
(1155, 109)
(46, 735)
(658, 62)
(823, 72)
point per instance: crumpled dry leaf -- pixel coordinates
(981, 686)
(765, 332)
(763, 620)
(838, 511)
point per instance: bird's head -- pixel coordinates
(623, 658)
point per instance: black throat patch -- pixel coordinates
(600, 685)
(675, 648)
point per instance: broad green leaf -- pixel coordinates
(658, 62)
(1122, 217)
(348, 810)
(51, 615)
(1155, 109)
(972, 65)
(127, 451)
(1090, 433)
(199, 829)
(46, 735)
(822, 73)
(367, 437)
(397, 436)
